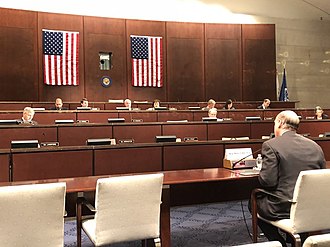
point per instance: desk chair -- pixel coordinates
(310, 206)
(127, 208)
(322, 240)
(32, 215)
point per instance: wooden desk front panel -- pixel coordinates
(127, 160)
(11, 115)
(4, 167)
(181, 157)
(76, 135)
(182, 105)
(271, 113)
(96, 116)
(314, 127)
(14, 105)
(198, 115)
(240, 115)
(46, 105)
(146, 116)
(261, 128)
(140, 133)
(49, 117)
(164, 116)
(42, 134)
(210, 192)
(305, 113)
(228, 129)
(46, 165)
(186, 130)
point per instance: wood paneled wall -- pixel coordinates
(200, 61)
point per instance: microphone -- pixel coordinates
(238, 161)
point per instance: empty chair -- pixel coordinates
(32, 215)
(264, 244)
(127, 208)
(310, 206)
(322, 240)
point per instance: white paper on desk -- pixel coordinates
(238, 153)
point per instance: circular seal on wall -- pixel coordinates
(106, 81)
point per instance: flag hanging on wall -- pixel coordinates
(61, 57)
(147, 61)
(284, 95)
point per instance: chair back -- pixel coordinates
(322, 240)
(310, 210)
(32, 215)
(263, 244)
(127, 208)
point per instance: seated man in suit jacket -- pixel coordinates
(58, 105)
(283, 158)
(265, 104)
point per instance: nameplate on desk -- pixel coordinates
(8, 122)
(125, 141)
(134, 120)
(116, 120)
(64, 121)
(82, 121)
(161, 108)
(122, 108)
(256, 118)
(190, 139)
(101, 141)
(236, 158)
(194, 107)
(39, 108)
(209, 119)
(84, 108)
(25, 144)
(49, 144)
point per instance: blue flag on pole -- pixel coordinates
(284, 95)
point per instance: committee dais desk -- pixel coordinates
(180, 188)
(79, 161)
(145, 132)
(101, 116)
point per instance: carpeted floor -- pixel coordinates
(206, 225)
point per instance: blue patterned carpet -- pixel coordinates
(206, 225)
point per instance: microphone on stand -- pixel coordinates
(238, 161)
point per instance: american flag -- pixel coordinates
(147, 61)
(61, 57)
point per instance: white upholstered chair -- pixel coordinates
(310, 206)
(264, 244)
(32, 215)
(322, 240)
(127, 208)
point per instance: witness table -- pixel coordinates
(182, 187)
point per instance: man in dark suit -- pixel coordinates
(58, 105)
(265, 104)
(283, 158)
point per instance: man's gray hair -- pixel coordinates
(29, 109)
(289, 119)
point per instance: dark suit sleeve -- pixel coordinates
(268, 176)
